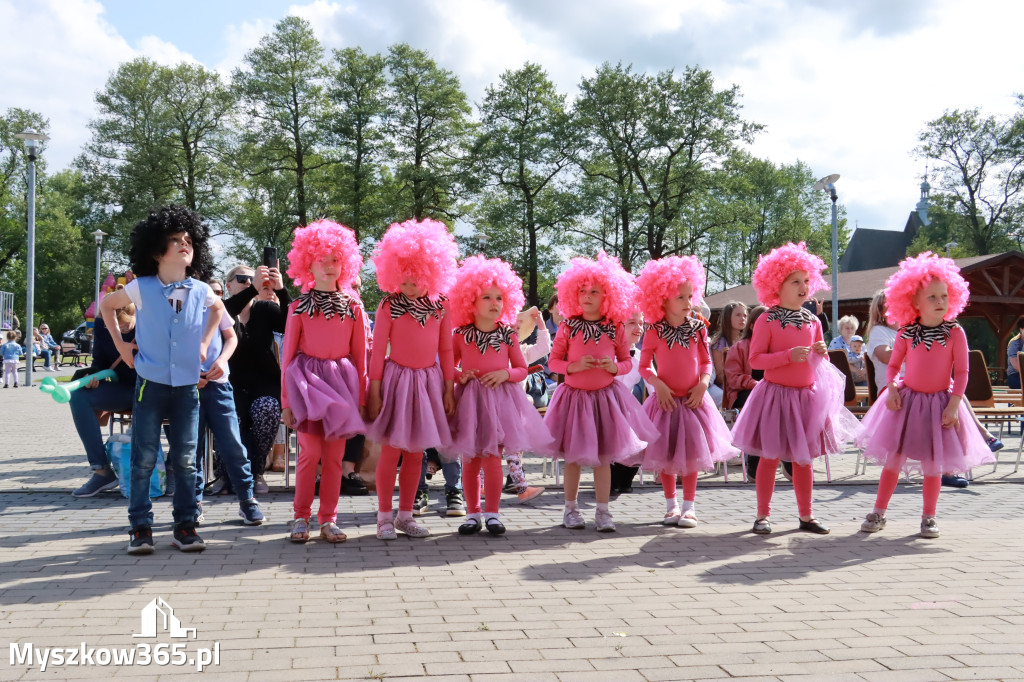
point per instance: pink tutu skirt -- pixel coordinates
(412, 414)
(691, 440)
(915, 432)
(593, 428)
(490, 421)
(797, 424)
(324, 397)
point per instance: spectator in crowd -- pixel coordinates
(217, 287)
(40, 349)
(1016, 345)
(848, 325)
(730, 326)
(856, 357)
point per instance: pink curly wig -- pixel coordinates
(317, 239)
(916, 273)
(423, 252)
(620, 290)
(477, 274)
(773, 269)
(660, 280)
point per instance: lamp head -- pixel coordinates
(99, 235)
(32, 140)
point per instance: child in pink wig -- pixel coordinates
(922, 417)
(594, 419)
(492, 414)
(693, 435)
(411, 392)
(796, 413)
(323, 368)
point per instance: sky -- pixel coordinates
(843, 87)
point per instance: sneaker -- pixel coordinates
(872, 523)
(219, 486)
(140, 540)
(259, 486)
(995, 445)
(353, 485)
(96, 484)
(386, 530)
(331, 533)
(200, 516)
(456, 503)
(572, 519)
(187, 539)
(672, 517)
(411, 528)
(603, 521)
(688, 519)
(250, 512)
(421, 504)
(510, 487)
(929, 527)
(300, 531)
(530, 493)
(955, 481)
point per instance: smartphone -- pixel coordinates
(270, 256)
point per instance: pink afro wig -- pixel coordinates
(477, 274)
(773, 269)
(620, 290)
(660, 280)
(916, 273)
(424, 252)
(318, 239)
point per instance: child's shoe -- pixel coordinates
(455, 502)
(471, 526)
(495, 526)
(572, 519)
(603, 521)
(530, 493)
(688, 519)
(96, 484)
(386, 530)
(300, 530)
(929, 527)
(872, 523)
(140, 541)
(672, 517)
(411, 528)
(250, 512)
(187, 539)
(331, 533)
(421, 504)
(762, 526)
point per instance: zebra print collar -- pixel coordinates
(592, 331)
(420, 308)
(502, 335)
(917, 334)
(326, 303)
(681, 335)
(785, 316)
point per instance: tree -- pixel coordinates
(525, 148)
(978, 163)
(14, 182)
(428, 124)
(283, 91)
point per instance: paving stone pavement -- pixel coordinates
(540, 603)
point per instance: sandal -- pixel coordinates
(329, 531)
(470, 527)
(762, 526)
(300, 531)
(386, 530)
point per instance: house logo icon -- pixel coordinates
(158, 616)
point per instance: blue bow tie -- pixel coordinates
(168, 289)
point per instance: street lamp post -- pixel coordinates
(828, 184)
(950, 245)
(99, 235)
(33, 147)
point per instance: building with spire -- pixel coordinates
(870, 249)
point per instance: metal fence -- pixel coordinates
(6, 310)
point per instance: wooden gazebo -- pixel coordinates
(997, 293)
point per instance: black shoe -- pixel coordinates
(353, 485)
(470, 527)
(955, 481)
(495, 527)
(626, 489)
(187, 539)
(140, 540)
(815, 526)
(422, 503)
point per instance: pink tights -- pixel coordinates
(493, 479)
(803, 486)
(887, 486)
(408, 479)
(313, 450)
(668, 482)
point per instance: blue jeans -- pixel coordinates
(107, 397)
(217, 413)
(452, 472)
(179, 405)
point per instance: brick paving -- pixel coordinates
(540, 603)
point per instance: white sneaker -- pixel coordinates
(929, 527)
(603, 522)
(872, 523)
(573, 520)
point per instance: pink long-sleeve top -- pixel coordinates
(932, 354)
(682, 353)
(489, 351)
(419, 333)
(343, 335)
(576, 338)
(776, 334)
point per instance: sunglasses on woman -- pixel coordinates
(243, 279)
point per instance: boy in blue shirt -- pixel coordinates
(173, 332)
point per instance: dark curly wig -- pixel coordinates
(151, 236)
